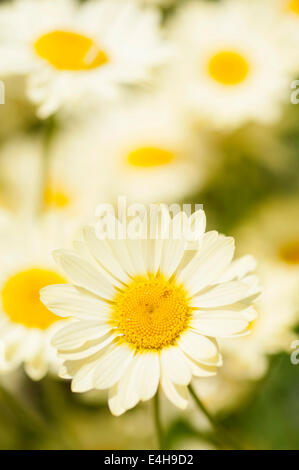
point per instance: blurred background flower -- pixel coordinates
(160, 101)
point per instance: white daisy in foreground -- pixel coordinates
(147, 311)
(231, 70)
(74, 52)
(143, 150)
(26, 325)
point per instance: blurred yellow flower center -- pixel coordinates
(65, 50)
(55, 199)
(151, 314)
(289, 252)
(294, 6)
(228, 68)
(20, 298)
(150, 156)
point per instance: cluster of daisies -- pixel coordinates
(127, 93)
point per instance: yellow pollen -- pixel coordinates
(151, 314)
(251, 325)
(150, 156)
(294, 6)
(289, 252)
(21, 301)
(55, 199)
(65, 50)
(228, 68)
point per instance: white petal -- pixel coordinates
(200, 348)
(77, 333)
(222, 294)
(137, 252)
(84, 274)
(219, 324)
(211, 260)
(83, 380)
(177, 394)
(159, 229)
(112, 365)
(37, 367)
(172, 253)
(66, 300)
(127, 386)
(70, 368)
(121, 252)
(174, 366)
(104, 255)
(254, 288)
(149, 376)
(249, 314)
(154, 255)
(199, 369)
(87, 349)
(114, 401)
(239, 268)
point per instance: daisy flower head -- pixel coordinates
(144, 150)
(72, 52)
(230, 69)
(69, 187)
(147, 310)
(278, 252)
(284, 14)
(73, 183)
(279, 247)
(26, 325)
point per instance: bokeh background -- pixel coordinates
(238, 156)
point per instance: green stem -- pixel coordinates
(157, 420)
(48, 133)
(221, 433)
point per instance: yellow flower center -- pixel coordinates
(65, 50)
(294, 6)
(150, 156)
(289, 252)
(55, 199)
(151, 314)
(228, 68)
(20, 298)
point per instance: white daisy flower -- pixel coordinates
(26, 325)
(144, 314)
(144, 150)
(278, 251)
(74, 52)
(73, 184)
(284, 16)
(278, 248)
(60, 182)
(231, 70)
